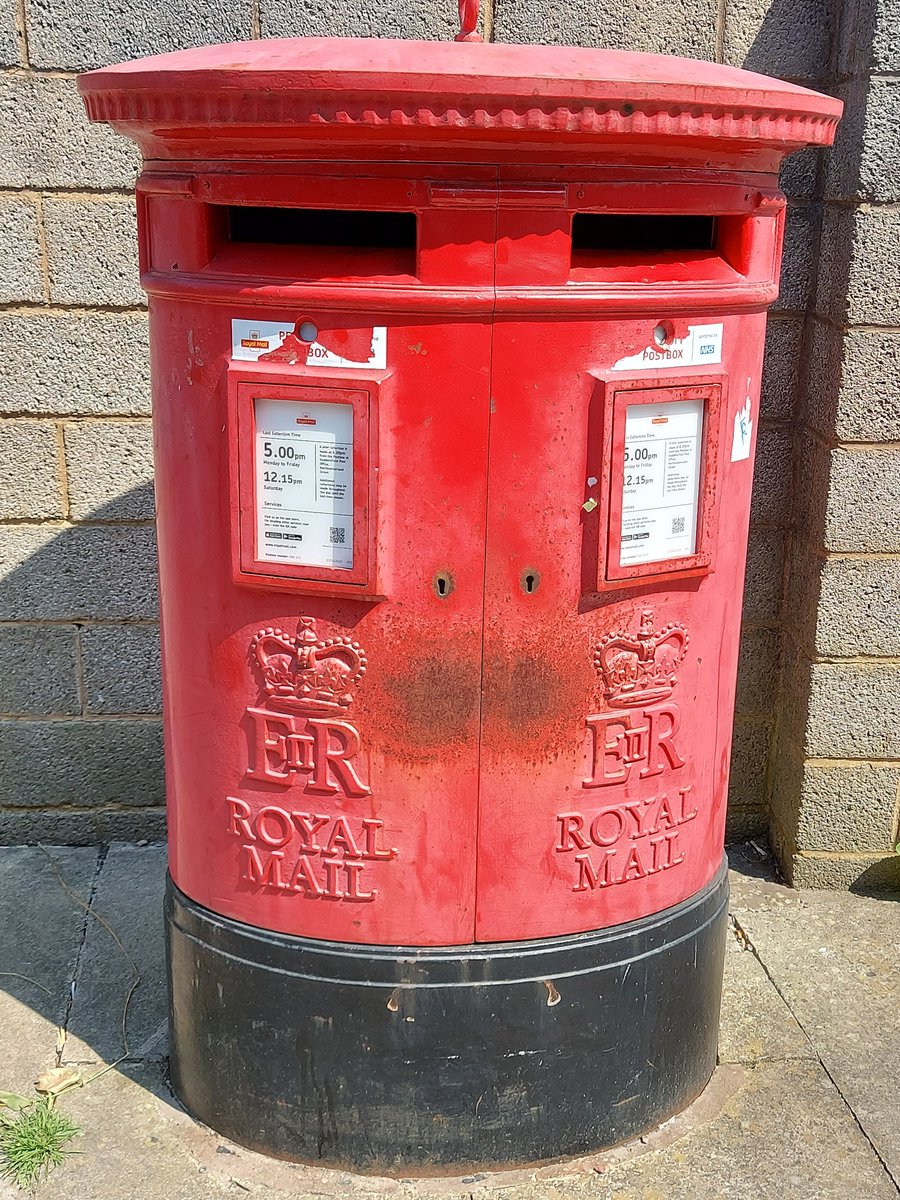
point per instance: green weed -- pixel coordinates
(34, 1142)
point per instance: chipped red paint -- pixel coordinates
(489, 728)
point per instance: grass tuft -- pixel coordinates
(35, 1142)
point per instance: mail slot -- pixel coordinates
(456, 367)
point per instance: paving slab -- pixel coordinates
(756, 1025)
(753, 880)
(785, 1135)
(835, 958)
(138, 1144)
(262, 1176)
(124, 1151)
(129, 898)
(41, 929)
(808, 976)
(782, 1132)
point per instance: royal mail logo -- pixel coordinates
(641, 668)
(633, 744)
(310, 685)
(306, 673)
(300, 738)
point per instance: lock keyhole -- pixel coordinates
(442, 584)
(530, 581)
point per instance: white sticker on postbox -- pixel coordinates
(743, 431)
(703, 344)
(280, 342)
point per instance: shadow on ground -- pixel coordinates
(802, 1105)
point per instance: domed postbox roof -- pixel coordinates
(288, 96)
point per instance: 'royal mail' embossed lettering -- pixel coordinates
(635, 741)
(630, 819)
(663, 853)
(302, 730)
(311, 854)
(635, 838)
(337, 881)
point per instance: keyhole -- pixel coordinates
(530, 581)
(443, 584)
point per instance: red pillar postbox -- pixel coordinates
(456, 363)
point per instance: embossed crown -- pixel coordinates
(640, 668)
(306, 673)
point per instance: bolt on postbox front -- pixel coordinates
(456, 382)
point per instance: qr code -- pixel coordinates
(678, 524)
(338, 535)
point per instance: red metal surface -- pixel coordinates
(390, 99)
(468, 21)
(609, 459)
(487, 727)
(306, 796)
(246, 385)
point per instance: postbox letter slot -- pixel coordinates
(323, 227)
(622, 233)
(684, 248)
(312, 243)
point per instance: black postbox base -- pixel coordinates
(387, 1059)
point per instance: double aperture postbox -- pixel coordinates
(456, 380)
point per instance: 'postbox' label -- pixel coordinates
(661, 481)
(281, 342)
(701, 346)
(304, 483)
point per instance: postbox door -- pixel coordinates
(323, 626)
(602, 763)
(611, 633)
(331, 789)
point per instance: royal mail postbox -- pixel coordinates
(456, 364)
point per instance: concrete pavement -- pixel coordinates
(804, 1104)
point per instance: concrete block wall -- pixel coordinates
(80, 738)
(79, 673)
(836, 770)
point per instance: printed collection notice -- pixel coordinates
(304, 483)
(661, 481)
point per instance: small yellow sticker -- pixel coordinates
(590, 504)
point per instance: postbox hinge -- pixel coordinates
(526, 196)
(152, 184)
(506, 195)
